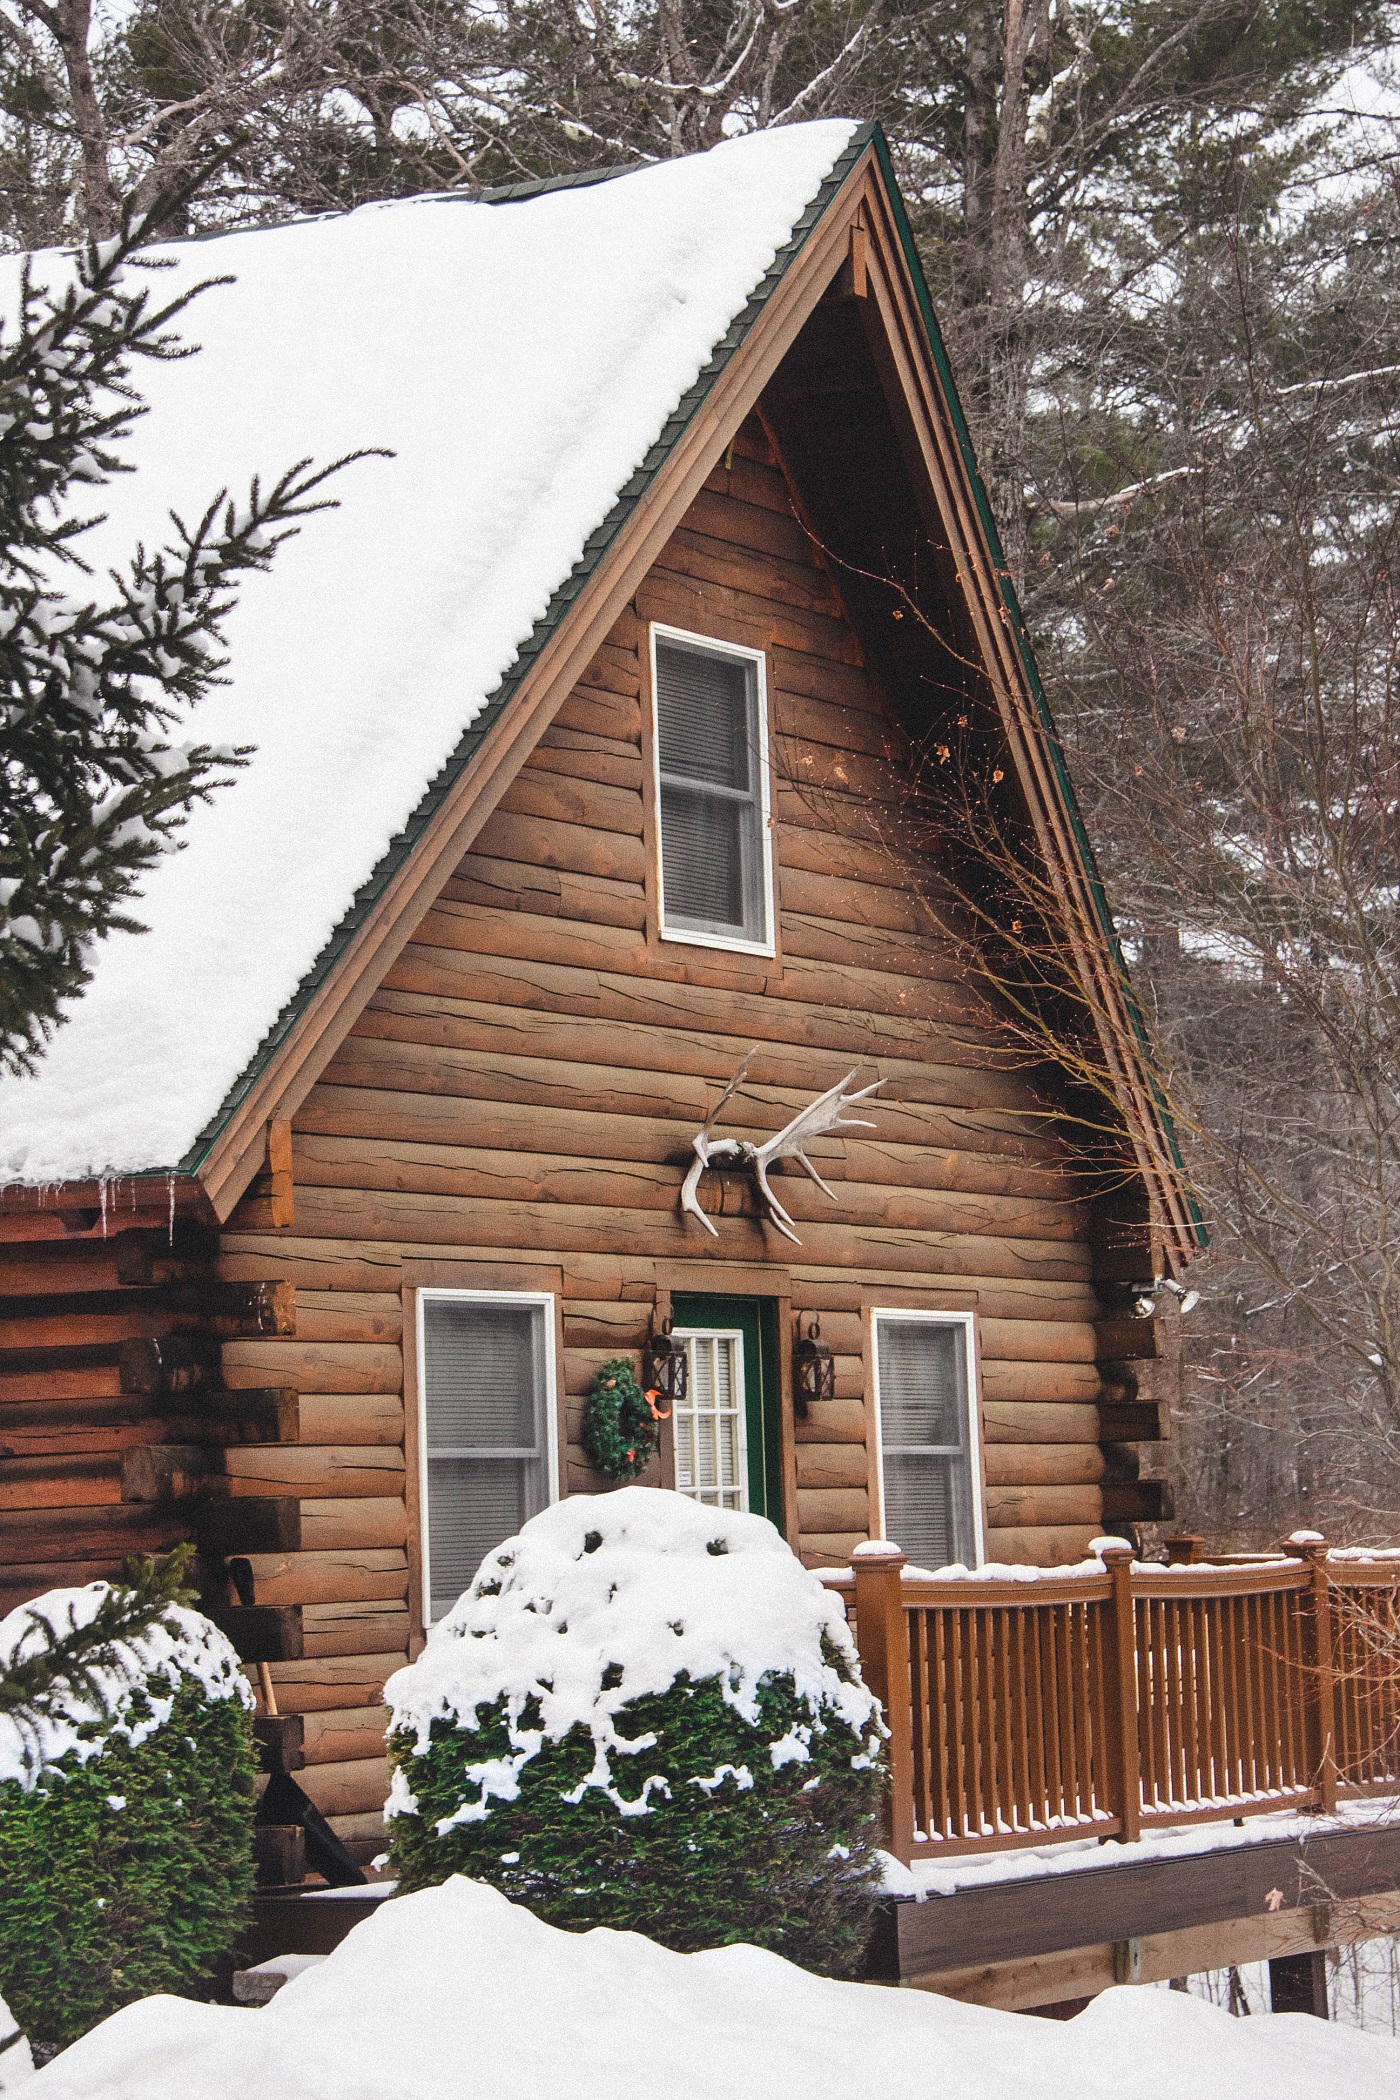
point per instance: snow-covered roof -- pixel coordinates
(521, 362)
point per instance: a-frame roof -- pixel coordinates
(556, 370)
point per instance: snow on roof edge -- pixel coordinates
(564, 596)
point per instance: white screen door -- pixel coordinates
(712, 1461)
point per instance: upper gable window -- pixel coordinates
(712, 792)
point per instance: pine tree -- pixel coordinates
(50, 1673)
(92, 788)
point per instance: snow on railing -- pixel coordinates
(1120, 1695)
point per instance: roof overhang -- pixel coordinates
(856, 222)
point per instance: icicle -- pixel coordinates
(170, 1184)
(102, 1200)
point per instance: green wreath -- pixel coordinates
(620, 1423)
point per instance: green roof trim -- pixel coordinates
(1026, 653)
(596, 545)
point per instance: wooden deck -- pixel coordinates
(1032, 1706)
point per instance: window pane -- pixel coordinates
(920, 1508)
(484, 1391)
(925, 1439)
(703, 714)
(711, 1462)
(922, 1386)
(474, 1503)
(702, 857)
(713, 847)
(481, 1374)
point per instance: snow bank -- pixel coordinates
(179, 1644)
(646, 1584)
(518, 360)
(455, 1992)
(16, 2056)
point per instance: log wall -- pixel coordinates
(513, 1110)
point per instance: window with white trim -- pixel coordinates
(929, 1464)
(712, 792)
(488, 1462)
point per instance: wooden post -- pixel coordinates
(279, 1167)
(1120, 1694)
(1318, 1650)
(882, 1633)
(1298, 1984)
(1184, 1549)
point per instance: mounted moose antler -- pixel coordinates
(823, 1115)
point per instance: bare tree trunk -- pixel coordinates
(994, 273)
(1009, 359)
(71, 27)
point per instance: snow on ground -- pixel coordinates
(456, 1994)
(519, 360)
(16, 2056)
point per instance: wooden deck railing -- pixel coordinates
(1105, 1701)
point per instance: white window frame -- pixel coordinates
(967, 1322)
(544, 1302)
(708, 644)
(734, 1335)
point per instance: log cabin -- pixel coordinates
(592, 733)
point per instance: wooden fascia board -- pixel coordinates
(339, 999)
(910, 366)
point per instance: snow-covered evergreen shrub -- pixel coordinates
(647, 1714)
(125, 1816)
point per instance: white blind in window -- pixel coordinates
(925, 1439)
(484, 1409)
(712, 834)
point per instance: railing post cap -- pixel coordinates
(1113, 1552)
(882, 1552)
(1306, 1545)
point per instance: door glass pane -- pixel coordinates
(711, 1458)
(485, 1429)
(925, 1440)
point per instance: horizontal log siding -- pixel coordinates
(520, 1095)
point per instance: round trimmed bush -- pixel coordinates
(647, 1714)
(125, 1817)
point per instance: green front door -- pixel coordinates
(728, 1429)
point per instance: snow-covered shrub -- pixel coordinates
(125, 1812)
(647, 1714)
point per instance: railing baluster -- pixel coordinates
(1137, 1694)
(1019, 1720)
(943, 1820)
(1036, 1717)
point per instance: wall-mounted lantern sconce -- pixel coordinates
(813, 1368)
(666, 1365)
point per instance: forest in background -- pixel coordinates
(1163, 239)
